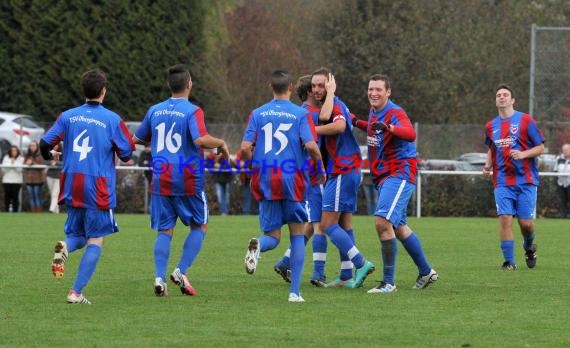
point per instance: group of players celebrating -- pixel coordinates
(313, 203)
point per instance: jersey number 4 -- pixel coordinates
(84, 148)
(282, 138)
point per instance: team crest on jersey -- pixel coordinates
(514, 128)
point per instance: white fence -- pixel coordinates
(417, 199)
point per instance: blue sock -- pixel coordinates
(87, 267)
(342, 241)
(389, 255)
(285, 260)
(161, 254)
(297, 261)
(192, 247)
(414, 248)
(267, 243)
(508, 248)
(319, 255)
(528, 240)
(346, 265)
(350, 233)
(74, 243)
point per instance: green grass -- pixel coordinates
(472, 305)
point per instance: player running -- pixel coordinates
(92, 135)
(281, 132)
(176, 131)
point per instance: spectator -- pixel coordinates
(52, 181)
(143, 161)
(222, 178)
(563, 166)
(249, 205)
(12, 179)
(34, 177)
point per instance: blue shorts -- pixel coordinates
(315, 202)
(89, 223)
(517, 200)
(341, 192)
(274, 214)
(393, 197)
(165, 210)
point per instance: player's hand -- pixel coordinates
(55, 155)
(322, 173)
(223, 151)
(354, 120)
(518, 155)
(330, 85)
(486, 171)
(130, 162)
(379, 126)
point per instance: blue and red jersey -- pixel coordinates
(279, 167)
(91, 135)
(516, 132)
(391, 154)
(171, 127)
(314, 176)
(342, 149)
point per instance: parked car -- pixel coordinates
(476, 160)
(547, 162)
(440, 164)
(19, 130)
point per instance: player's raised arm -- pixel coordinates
(328, 103)
(337, 126)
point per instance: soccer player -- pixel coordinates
(341, 189)
(393, 166)
(514, 142)
(314, 202)
(176, 131)
(279, 129)
(92, 135)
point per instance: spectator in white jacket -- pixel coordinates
(12, 179)
(563, 166)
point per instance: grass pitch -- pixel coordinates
(472, 305)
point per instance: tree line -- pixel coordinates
(444, 57)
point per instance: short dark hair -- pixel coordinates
(381, 77)
(280, 81)
(303, 87)
(93, 82)
(178, 77)
(505, 86)
(321, 71)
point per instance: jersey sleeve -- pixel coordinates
(144, 132)
(123, 142)
(535, 135)
(307, 129)
(403, 127)
(196, 125)
(488, 129)
(56, 133)
(250, 131)
(337, 114)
